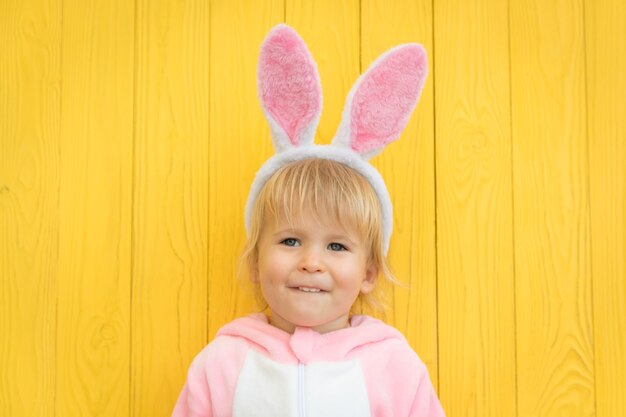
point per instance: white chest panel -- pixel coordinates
(322, 389)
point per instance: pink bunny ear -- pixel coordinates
(289, 88)
(380, 103)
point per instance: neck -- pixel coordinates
(337, 324)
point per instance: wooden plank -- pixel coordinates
(169, 264)
(408, 169)
(93, 321)
(474, 209)
(331, 30)
(552, 241)
(239, 144)
(606, 95)
(30, 66)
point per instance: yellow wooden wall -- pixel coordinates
(130, 132)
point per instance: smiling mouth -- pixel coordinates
(308, 289)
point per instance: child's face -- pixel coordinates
(310, 274)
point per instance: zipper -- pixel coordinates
(301, 390)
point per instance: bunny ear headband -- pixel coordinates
(376, 112)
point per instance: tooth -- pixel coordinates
(305, 289)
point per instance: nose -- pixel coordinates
(311, 261)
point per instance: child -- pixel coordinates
(319, 222)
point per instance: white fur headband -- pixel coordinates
(376, 112)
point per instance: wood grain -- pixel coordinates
(130, 133)
(169, 264)
(606, 95)
(331, 31)
(408, 169)
(93, 340)
(555, 360)
(239, 143)
(30, 106)
(474, 209)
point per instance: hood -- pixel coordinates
(306, 345)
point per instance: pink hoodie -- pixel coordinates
(255, 369)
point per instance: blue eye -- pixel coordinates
(289, 241)
(336, 247)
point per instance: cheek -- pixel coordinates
(350, 274)
(272, 266)
(270, 274)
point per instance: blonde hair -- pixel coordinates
(321, 188)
